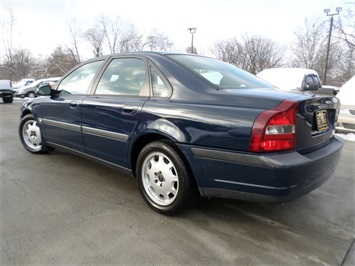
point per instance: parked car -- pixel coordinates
(29, 90)
(346, 121)
(299, 79)
(6, 92)
(22, 83)
(186, 125)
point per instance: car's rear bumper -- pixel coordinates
(266, 177)
(6, 93)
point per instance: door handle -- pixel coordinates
(74, 104)
(129, 109)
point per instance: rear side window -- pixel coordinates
(123, 76)
(79, 80)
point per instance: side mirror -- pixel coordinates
(53, 93)
(44, 91)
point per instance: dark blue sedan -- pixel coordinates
(187, 126)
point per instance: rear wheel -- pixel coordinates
(164, 179)
(8, 99)
(30, 135)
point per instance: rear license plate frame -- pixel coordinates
(322, 120)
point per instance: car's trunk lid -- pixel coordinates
(316, 120)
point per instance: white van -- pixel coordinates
(346, 119)
(6, 92)
(300, 79)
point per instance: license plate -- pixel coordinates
(322, 120)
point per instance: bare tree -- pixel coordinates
(60, 62)
(158, 41)
(22, 61)
(75, 31)
(261, 53)
(7, 24)
(131, 40)
(346, 27)
(112, 30)
(7, 29)
(310, 40)
(253, 53)
(95, 36)
(345, 66)
(310, 51)
(226, 50)
(41, 67)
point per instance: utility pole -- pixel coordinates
(338, 9)
(192, 31)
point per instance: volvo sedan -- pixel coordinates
(187, 126)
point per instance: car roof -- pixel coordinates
(289, 70)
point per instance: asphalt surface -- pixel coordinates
(59, 209)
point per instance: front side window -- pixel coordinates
(221, 74)
(123, 76)
(79, 80)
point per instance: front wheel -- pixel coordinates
(31, 94)
(30, 135)
(164, 179)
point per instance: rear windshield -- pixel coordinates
(221, 74)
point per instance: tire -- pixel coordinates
(31, 94)
(8, 99)
(164, 179)
(30, 135)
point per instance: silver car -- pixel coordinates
(29, 90)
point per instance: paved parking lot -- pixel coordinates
(64, 210)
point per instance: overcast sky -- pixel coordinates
(41, 26)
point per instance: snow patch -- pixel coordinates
(349, 136)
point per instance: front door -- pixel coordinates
(111, 114)
(62, 113)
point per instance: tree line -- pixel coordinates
(254, 53)
(250, 52)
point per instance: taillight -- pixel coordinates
(275, 130)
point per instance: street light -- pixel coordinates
(192, 31)
(338, 9)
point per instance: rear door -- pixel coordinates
(111, 114)
(62, 113)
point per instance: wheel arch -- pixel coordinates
(138, 145)
(143, 140)
(25, 112)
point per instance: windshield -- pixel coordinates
(221, 74)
